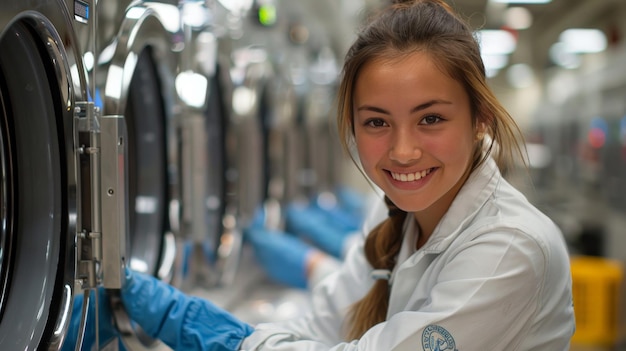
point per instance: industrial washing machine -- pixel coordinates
(208, 242)
(88, 158)
(266, 139)
(54, 144)
(136, 61)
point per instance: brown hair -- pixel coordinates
(400, 29)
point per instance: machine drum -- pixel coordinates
(33, 213)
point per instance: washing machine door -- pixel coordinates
(148, 169)
(37, 185)
(138, 85)
(285, 154)
(246, 142)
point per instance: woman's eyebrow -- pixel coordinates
(429, 104)
(413, 110)
(373, 109)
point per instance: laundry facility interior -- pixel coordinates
(149, 135)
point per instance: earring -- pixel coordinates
(480, 136)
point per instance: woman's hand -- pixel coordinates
(182, 322)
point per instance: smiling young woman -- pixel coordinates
(415, 106)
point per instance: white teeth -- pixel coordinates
(410, 177)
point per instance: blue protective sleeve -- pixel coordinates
(282, 256)
(312, 225)
(182, 322)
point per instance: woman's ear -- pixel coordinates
(480, 131)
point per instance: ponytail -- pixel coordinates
(381, 250)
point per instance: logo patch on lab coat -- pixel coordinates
(437, 338)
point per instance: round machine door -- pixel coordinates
(145, 172)
(137, 82)
(247, 142)
(216, 175)
(148, 181)
(151, 248)
(284, 141)
(36, 188)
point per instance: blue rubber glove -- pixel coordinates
(352, 201)
(312, 225)
(105, 323)
(182, 322)
(344, 209)
(339, 217)
(283, 257)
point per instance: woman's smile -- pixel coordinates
(410, 177)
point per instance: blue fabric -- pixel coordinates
(313, 225)
(352, 201)
(282, 256)
(105, 323)
(343, 219)
(180, 321)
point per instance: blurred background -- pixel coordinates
(560, 68)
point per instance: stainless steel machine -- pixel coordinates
(63, 163)
(137, 47)
(42, 84)
(86, 144)
(142, 135)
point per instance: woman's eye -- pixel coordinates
(375, 122)
(430, 119)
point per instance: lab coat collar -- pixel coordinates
(479, 187)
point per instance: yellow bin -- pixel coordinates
(596, 286)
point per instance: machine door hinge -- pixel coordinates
(101, 241)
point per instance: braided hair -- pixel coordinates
(381, 250)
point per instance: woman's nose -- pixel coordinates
(405, 148)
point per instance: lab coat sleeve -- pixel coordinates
(481, 298)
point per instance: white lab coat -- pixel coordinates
(493, 276)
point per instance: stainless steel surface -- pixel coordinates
(136, 53)
(246, 139)
(114, 194)
(89, 239)
(143, 34)
(38, 51)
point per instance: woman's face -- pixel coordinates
(413, 131)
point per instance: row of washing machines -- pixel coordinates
(145, 134)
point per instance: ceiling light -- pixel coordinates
(496, 42)
(518, 18)
(577, 40)
(237, 7)
(495, 62)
